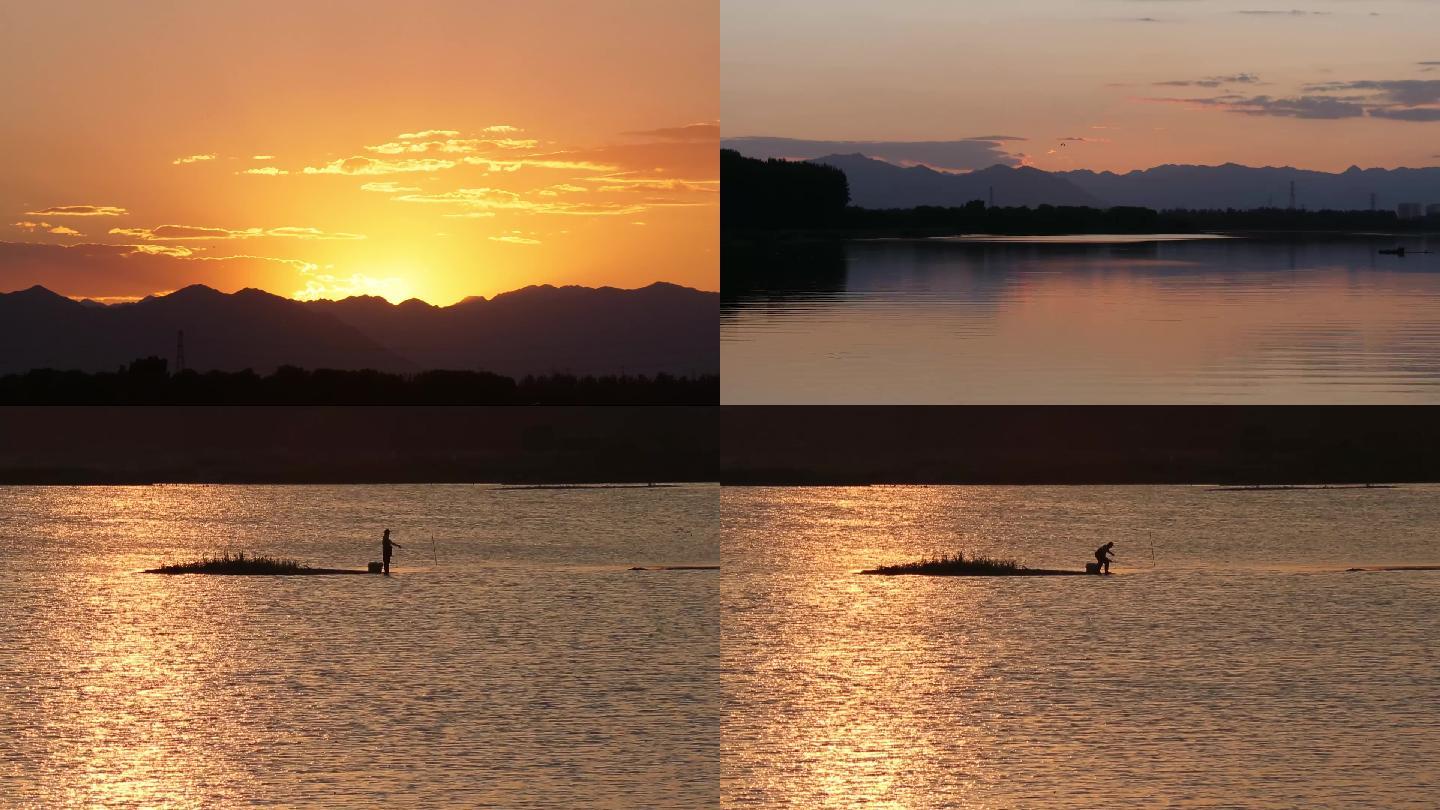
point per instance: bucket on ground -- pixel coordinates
(376, 567)
(1090, 568)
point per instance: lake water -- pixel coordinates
(516, 662)
(1088, 321)
(1235, 665)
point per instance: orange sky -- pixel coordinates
(1123, 84)
(434, 149)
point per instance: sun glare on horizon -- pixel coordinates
(317, 159)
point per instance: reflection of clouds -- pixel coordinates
(1223, 321)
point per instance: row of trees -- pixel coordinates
(780, 193)
(148, 382)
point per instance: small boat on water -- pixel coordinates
(1400, 251)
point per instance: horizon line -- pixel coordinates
(109, 301)
(1023, 165)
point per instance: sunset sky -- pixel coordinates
(433, 149)
(1098, 84)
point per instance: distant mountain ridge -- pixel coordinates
(1231, 185)
(535, 330)
(875, 183)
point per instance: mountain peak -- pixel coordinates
(37, 291)
(190, 292)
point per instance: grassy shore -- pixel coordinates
(241, 564)
(958, 565)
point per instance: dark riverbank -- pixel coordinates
(1239, 445)
(353, 445)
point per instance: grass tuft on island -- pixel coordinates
(958, 565)
(241, 565)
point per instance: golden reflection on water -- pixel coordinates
(530, 669)
(141, 724)
(1186, 684)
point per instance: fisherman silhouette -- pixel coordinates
(385, 544)
(1103, 554)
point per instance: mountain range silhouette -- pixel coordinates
(878, 184)
(535, 330)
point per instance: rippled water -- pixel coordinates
(1242, 667)
(1293, 321)
(515, 663)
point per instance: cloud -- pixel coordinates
(632, 182)
(561, 188)
(262, 157)
(360, 165)
(310, 233)
(709, 131)
(961, 154)
(328, 285)
(1214, 81)
(191, 159)
(1403, 114)
(57, 230)
(388, 187)
(486, 201)
(1294, 12)
(79, 211)
(1408, 92)
(460, 146)
(270, 171)
(1312, 107)
(539, 162)
(171, 233)
(174, 232)
(514, 239)
(430, 133)
(499, 128)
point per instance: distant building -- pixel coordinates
(1410, 210)
(1432, 210)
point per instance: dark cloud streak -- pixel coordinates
(959, 154)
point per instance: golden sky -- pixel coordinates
(433, 149)
(1122, 84)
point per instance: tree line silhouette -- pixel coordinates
(779, 195)
(148, 381)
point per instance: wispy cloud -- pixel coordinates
(171, 233)
(360, 165)
(960, 154)
(709, 131)
(1414, 100)
(1316, 107)
(514, 238)
(192, 159)
(388, 187)
(269, 171)
(1214, 81)
(488, 200)
(45, 227)
(79, 211)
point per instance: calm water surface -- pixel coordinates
(1242, 667)
(526, 668)
(1169, 321)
